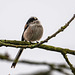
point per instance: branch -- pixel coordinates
(24, 44)
(68, 62)
(47, 47)
(57, 32)
(43, 46)
(53, 66)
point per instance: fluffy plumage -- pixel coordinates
(33, 31)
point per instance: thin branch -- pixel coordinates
(57, 32)
(27, 45)
(37, 73)
(47, 47)
(53, 35)
(53, 66)
(7, 58)
(49, 37)
(68, 62)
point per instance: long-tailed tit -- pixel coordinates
(33, 31)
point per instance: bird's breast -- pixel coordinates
(33, 32)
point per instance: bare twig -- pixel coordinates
(46, 47)
(27, 45)
(53, 66)
(57, 32)
(68, 62)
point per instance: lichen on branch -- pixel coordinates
(25, 44)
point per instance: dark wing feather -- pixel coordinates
(26, 26)
(22, 38)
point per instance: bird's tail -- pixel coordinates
(16, 58)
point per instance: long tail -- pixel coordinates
(16, 58)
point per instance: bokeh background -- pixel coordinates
(53, 14)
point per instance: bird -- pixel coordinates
(33, 31)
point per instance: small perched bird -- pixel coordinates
(33, 31)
